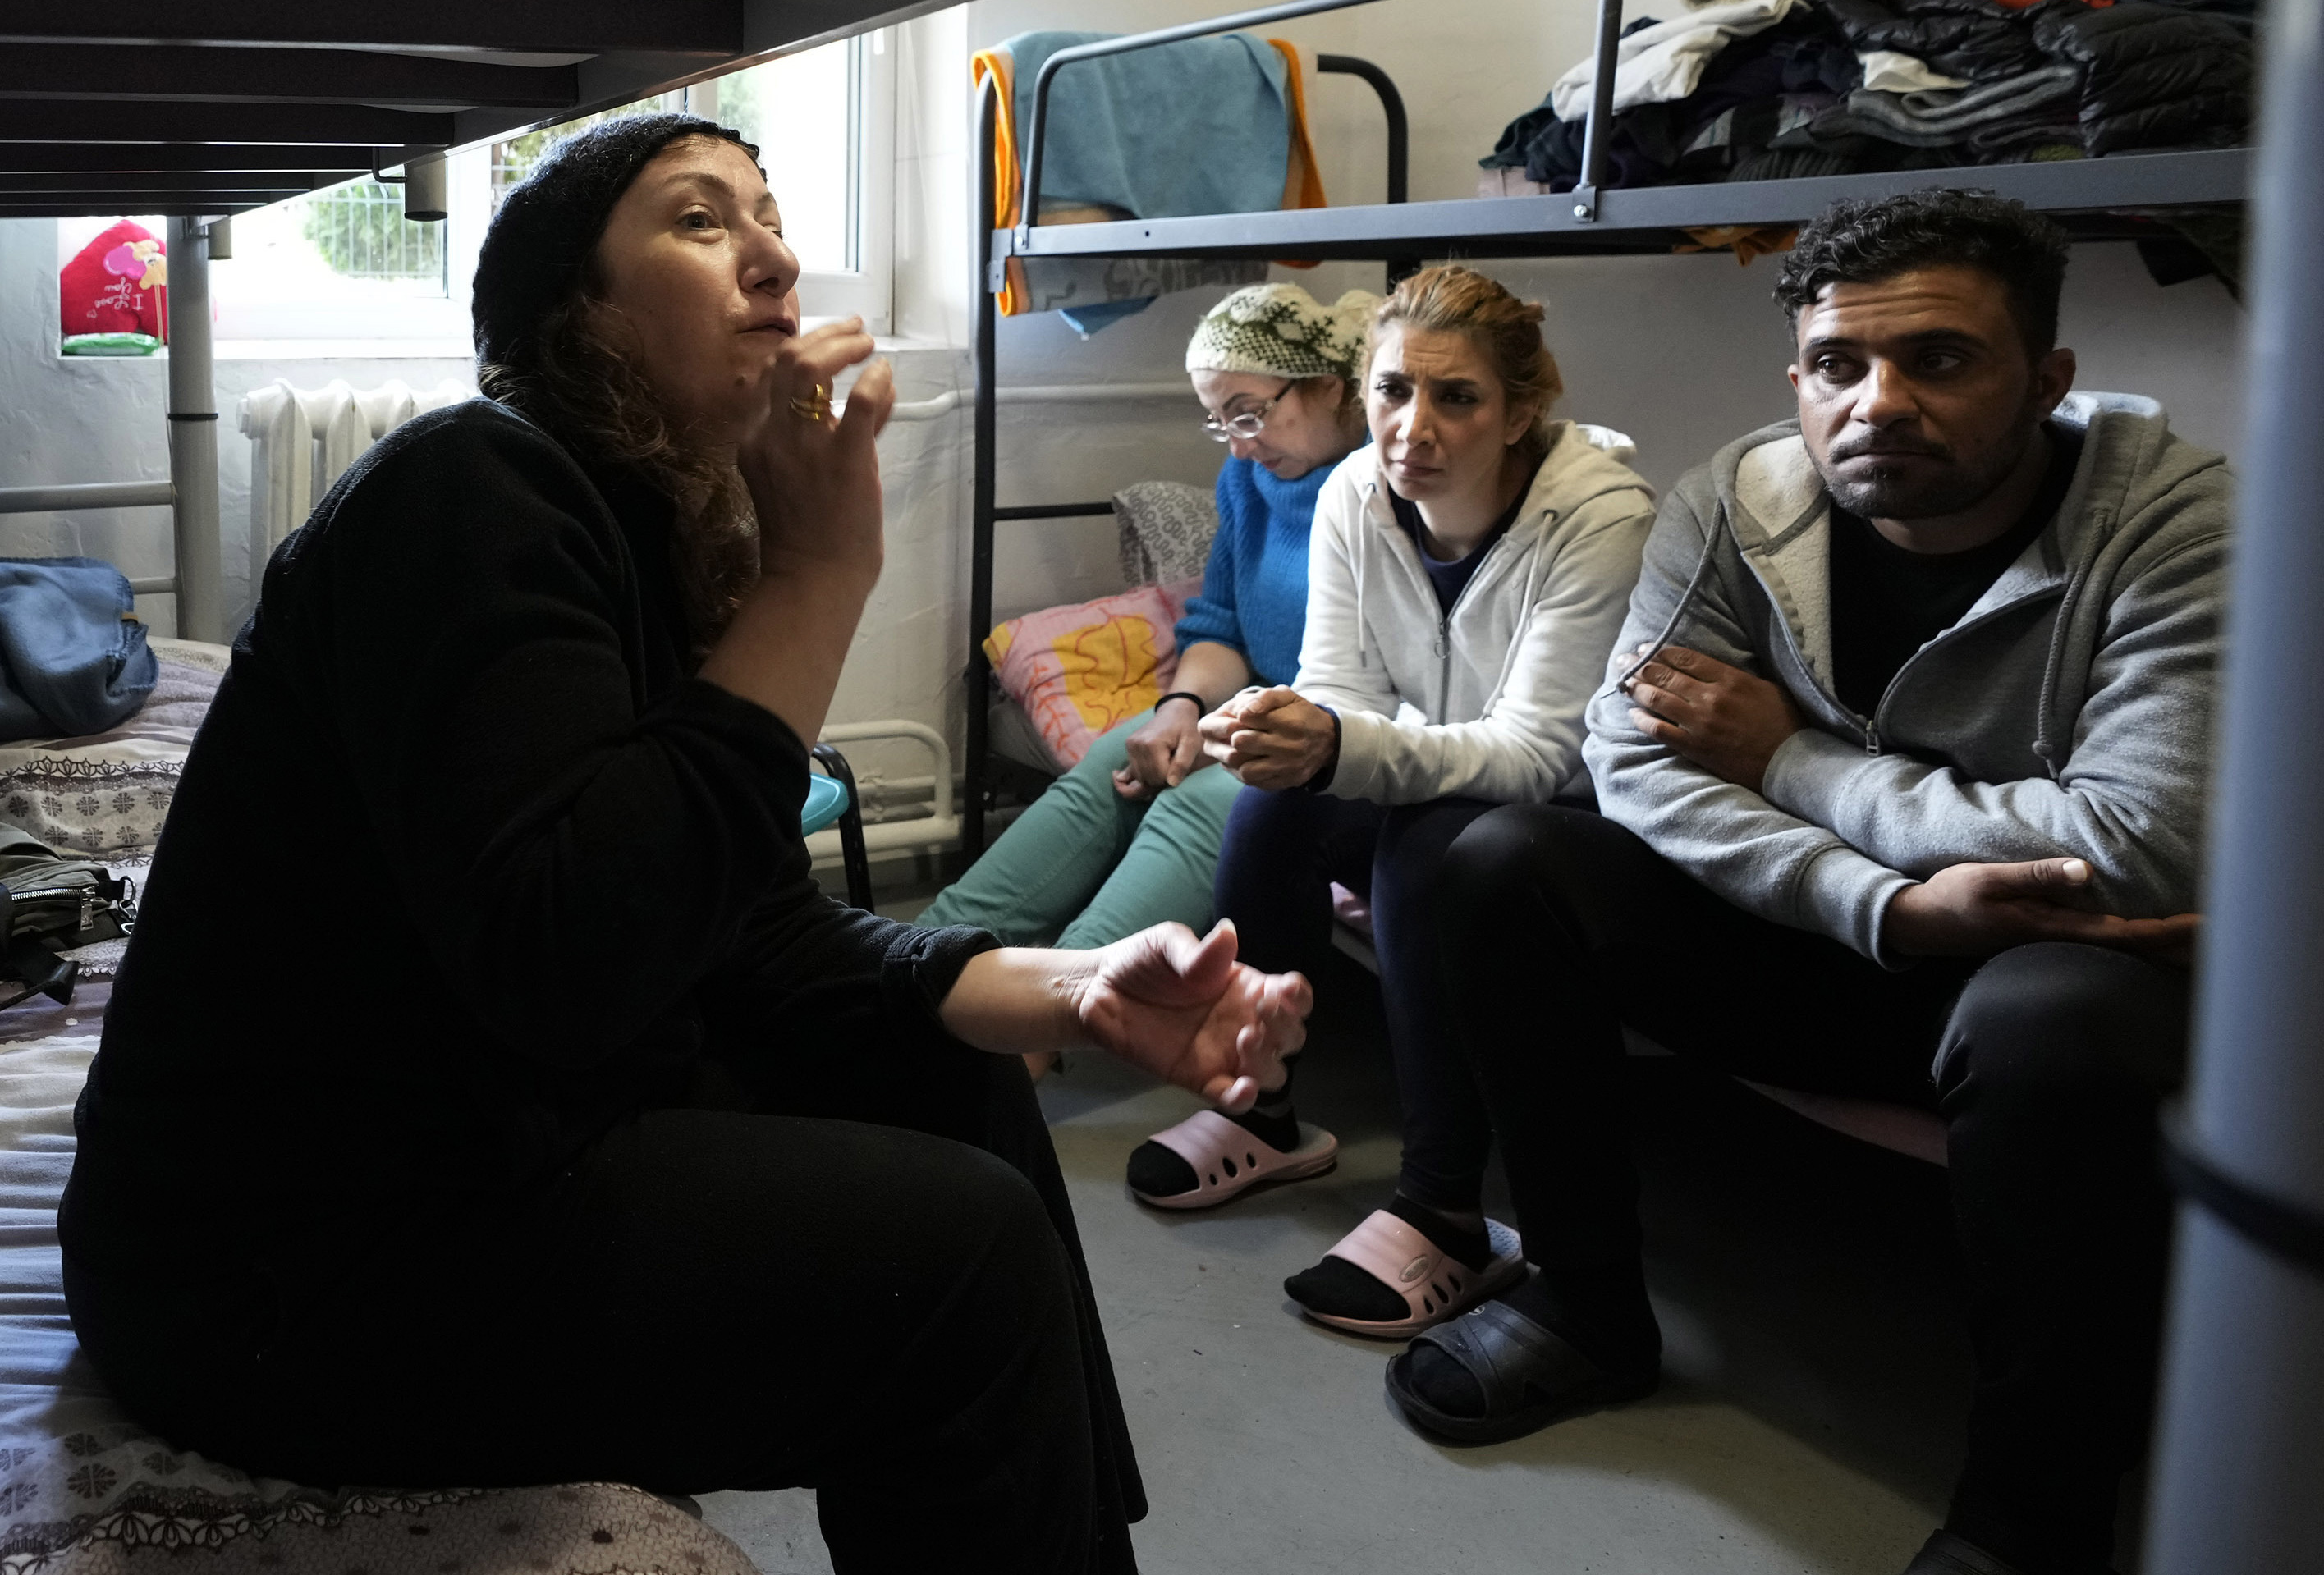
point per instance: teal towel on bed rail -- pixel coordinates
(1198, 126)
(72, 659)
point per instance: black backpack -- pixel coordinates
(49, 902)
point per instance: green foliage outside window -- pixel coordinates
(361, 231)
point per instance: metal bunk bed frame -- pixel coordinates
(2089, 197)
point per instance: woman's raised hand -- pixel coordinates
(814, 482)
(815, 478)
(1182, 1007)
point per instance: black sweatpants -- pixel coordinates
(2047, 1061)
(1276, 863)
(876, 1293)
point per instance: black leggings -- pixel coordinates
(896, 1315)
(2047, 1061)
(1281, 853)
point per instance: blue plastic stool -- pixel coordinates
(826, 801)
(832, 798)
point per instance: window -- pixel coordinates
(824, 122)
(344, 264)
(360, 231)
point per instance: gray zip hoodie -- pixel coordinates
(2068, 713)
(1484, 702)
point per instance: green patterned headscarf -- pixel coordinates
(1279, 330)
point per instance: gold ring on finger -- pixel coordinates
(816, 406)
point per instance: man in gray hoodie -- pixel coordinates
(1902, 759)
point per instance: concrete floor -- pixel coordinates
(1809, 1422)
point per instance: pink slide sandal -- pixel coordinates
(1226, 1159)
(1434, 1285)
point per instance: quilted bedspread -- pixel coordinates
(86, 1491)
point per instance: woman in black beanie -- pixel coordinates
(569, 1133)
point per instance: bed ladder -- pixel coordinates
(984, 775)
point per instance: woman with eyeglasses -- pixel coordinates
(1129, 836)
(1470, 572)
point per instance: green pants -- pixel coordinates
(1084, 866)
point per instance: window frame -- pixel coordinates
(867, 290)
(409, 326)
(437, 326)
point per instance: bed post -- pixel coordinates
(2240, 1449)
(979, 550)
(1598, 131)
(193, 436)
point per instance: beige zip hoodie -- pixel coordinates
(1485, 701)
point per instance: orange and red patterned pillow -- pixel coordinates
(1078, 672)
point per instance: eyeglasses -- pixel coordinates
(1247, 424)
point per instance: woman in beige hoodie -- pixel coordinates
(1468, 574)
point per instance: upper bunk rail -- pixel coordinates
(1036, 128)
(1635, 219)
(1598, 128)
(1399, 125)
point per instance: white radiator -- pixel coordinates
(302, 439)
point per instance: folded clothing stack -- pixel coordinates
(1772, 89)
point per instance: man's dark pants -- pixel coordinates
(2047, 1061)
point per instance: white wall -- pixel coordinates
(65, 420)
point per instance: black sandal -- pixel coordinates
(1530, 1376)
(1946, 1555)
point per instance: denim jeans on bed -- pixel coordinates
(1083, 865)
(1282, 852)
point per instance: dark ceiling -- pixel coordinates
(213, 106)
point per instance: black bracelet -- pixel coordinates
(1322, 781)
(1202, 707)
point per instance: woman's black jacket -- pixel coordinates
(463, 865)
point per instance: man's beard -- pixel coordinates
(1921, 493)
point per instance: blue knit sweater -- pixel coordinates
(1255, 587)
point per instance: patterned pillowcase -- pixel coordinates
(1078, 672)
(110, 791)
(1164, 531)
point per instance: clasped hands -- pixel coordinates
(1731, 722)
(1271, 737)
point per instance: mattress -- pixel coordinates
(85, 1490)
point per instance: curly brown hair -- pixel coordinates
(1454, 300)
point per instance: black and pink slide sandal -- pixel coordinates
(1434, 1283)
(1227, 1159)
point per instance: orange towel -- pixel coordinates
(1748, 240)
(1303, 181)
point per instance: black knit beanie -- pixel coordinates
(540, 241)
